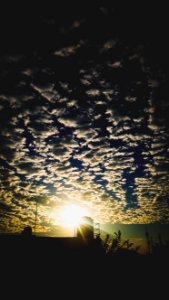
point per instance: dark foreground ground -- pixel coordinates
(69, 264)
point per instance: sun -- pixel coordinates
(71, 215)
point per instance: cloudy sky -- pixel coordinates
(84, 116)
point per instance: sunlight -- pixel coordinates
(71, 215)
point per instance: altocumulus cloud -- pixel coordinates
(86, 122)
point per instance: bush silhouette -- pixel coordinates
(118, 245)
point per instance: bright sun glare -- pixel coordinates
(71, 215)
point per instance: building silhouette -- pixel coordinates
(85, 230)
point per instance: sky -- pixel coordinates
(83, 117)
